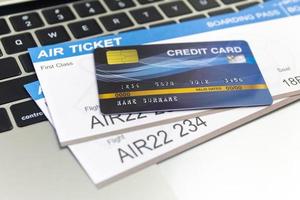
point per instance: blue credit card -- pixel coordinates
(164, 77)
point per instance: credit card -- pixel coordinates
(182, 76)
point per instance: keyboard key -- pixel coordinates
(85, 28)
(27, 113)
(18, 43)
(147, 1)
(200, 5)
(221, 12)
(3, 27)
(192, 18)
(231, 1)
(58, 15)
(162, 24)
(89, 8)
(134, 29)
(26, 21)
(119, 4)
(175, 9)
(26, 62)
(52, 35)
(8, 68)
(5, 124)
(13, 90)
(247, 5)
(146, 15)
(115, 22)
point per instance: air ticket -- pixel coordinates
(120, 155)
(109, 159)
(67, 74)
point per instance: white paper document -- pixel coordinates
(108, 159)
(67, 74)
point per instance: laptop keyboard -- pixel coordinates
(76, 20)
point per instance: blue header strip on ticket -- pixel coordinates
(35, 90)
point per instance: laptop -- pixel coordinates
(32, 166)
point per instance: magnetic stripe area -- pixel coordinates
(219, 88)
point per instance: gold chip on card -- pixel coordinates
(122, 56)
